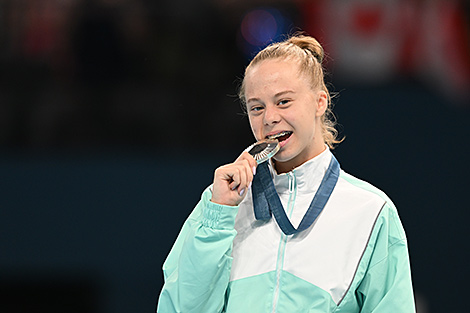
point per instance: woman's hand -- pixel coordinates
(231, 181)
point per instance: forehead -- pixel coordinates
(273, 75)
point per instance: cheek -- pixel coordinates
(304, 126)
(255, 128)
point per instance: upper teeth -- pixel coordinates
(275, 136)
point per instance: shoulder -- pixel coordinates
(364, 188)
(359, 197)
(388, 219)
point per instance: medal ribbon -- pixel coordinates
(266, 201)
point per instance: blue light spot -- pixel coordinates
(260, 27)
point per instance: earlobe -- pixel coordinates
(322, 103)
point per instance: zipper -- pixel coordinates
(283, 241)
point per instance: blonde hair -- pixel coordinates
(309, 54)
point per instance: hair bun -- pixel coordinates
(308, 44)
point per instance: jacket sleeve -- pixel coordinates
(197, 270)
(387, 286)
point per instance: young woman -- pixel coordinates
(296, 233)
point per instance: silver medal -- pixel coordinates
(263, 150)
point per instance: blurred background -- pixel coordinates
(115, 113)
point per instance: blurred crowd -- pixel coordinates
(145, 73)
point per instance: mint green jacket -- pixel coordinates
(354, 258)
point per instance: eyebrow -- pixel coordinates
(277, 95)
(283, 93)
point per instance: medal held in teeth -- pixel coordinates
(265, 149)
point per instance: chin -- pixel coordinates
(282, 157)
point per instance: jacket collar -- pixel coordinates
(307, 177)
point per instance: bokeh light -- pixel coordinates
(261, 26)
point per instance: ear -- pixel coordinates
(322, 102)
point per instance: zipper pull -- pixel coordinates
(291, 182)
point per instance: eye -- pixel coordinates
(256, 108)
(284, 102)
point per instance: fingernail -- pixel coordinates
(242, 192)
(250, 185)
(254, 170)
(234, 187)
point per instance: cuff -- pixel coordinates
(217, 216)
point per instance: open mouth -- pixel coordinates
(280, 136)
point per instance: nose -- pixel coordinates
(271, 116)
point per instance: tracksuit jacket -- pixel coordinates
(354, 258)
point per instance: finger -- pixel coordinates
(235, 177)
(246, 156)
(249, 172)
(238, 178)
(243, 178)
(247, 175)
